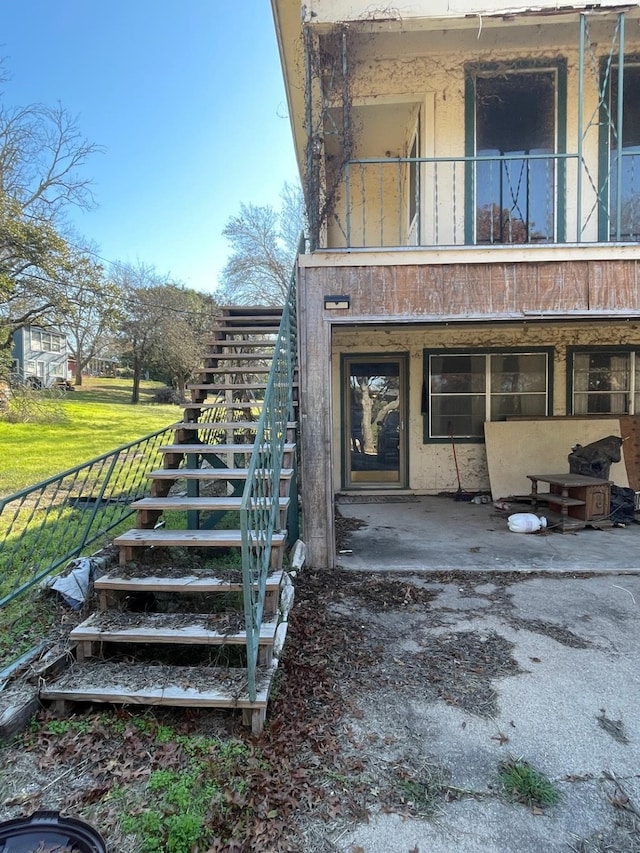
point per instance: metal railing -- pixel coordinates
(43, 526)
(260, 512)
(524, 198)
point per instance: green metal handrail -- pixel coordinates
(260, 512)
(45, 525)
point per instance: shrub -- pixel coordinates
(168, 395)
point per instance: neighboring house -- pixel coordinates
(472, 176)
(97, 366)
(40, 355)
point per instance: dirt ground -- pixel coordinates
(347, 742)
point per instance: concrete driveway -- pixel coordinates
(559, 685)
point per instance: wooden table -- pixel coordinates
(574, 500)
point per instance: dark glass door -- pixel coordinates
(374, 437)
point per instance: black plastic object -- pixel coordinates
(47, 832)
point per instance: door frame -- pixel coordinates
(402, 359)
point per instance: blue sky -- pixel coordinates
(186, 96)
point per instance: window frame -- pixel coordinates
(628, 349)
(43, 340)
(427, 438)
(486, 69)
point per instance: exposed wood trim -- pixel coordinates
(471, 255)
(316, 418)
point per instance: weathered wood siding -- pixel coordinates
(314, 341)
(490, 290)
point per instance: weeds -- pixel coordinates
(418, 791)
(165, 788)
(24, 622)
(525, 784)
(187, 808)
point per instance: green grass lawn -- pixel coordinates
(85, 423)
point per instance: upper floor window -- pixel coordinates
(605, 382)
(466, 389)
(516, 180)
(623, 179)
(43, 341)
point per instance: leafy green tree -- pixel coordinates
(163, 325)
(187, 317)
(91, 313)
(140, 327)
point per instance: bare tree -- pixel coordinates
(33, 262)
(264, 245)
(42, 153)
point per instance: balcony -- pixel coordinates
(491, 199)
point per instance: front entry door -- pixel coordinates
(374, 437)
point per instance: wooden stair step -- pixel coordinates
(136, 539)
(203, 504)
(223, 425)
(198, 584)
(163, 538)
(246, 329)
(260, 310)
(212, 474)
(251, 322)
(109, 626)
(150, 509)
(233, 405)
(226, 386)
(240, 356)
(217, 448)
(239, 405)
(180, 686)
(242, 344)
(223, 371)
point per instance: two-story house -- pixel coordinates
(472, 175)
(39, 355)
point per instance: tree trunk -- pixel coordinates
(367, 408)
(137, 376)
(77, 373)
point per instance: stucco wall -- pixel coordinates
(431, 466)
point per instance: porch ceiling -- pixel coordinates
(380, 128)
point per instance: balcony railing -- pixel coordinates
(490, 199)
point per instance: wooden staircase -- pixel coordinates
(171, 623)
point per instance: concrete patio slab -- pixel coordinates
(438, 533)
